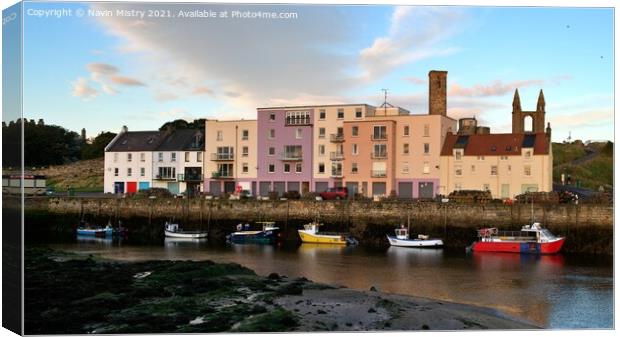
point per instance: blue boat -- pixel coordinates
(267, 235)
(96, 231)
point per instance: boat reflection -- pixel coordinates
(509, 261)
(184, 242)
(314, 249)
(102, 241)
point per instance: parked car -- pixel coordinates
(335, 193)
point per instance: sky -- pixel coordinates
(100, 73)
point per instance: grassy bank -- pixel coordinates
(71, 294)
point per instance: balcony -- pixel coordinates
(336, 155)
(336, 174)
(164, 177)
(378, 155)
(190, 177)
(378, 173)
(221, 175)
(336, 137)
(379, 136)
(291, 156)
(222, 156)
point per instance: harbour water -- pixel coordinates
(556, 292)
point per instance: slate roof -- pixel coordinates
(146, 141)
(498, 144)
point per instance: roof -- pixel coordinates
(313, 106)
(137, 141)
(498, 144)
(183, 139)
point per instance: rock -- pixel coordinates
(321, 312)
(373, 288)
(425, 327)
(274, 276)
(372, 310)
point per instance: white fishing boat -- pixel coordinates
(172, 230)
(402, 239)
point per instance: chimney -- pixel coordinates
(437, 99)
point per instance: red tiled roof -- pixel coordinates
(499, 144)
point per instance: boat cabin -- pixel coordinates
(269, 225)
(172, 227)
(402, 233)
(312, 227)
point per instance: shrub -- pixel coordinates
(274, 195)
(292, 195)
(310, 195)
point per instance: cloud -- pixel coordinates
(122, 80)
(499, 88)
(232, 94)
(583, 118)
(415, 80)
(101, 68)
(415, 33)
(174, 113)
(82, 89)
(165, 96)
(203, 91)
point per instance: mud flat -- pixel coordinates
(75, 293)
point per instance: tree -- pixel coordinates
(97, 148)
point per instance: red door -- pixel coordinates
(131, 187)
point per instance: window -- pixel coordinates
(322, 114)
(225, 170)
(426, 169)
(287, 168)
(245, 135)
(272, 151)
(116, 171)
(166, 172)
(503, 158)
(406, 130)
(272, 117)
(186, 157)
(199, 157)
(160, 156)
(173, 156)
(473, 168)
(486, 187)
(341, 113)
(245, 168)
(142, 157)
(427, 130)
(142, 172)
(298, 133)
(272, 168)
(321, 132)
(528, 154)
(354, 168)
(527, 170)
(244, 151)
(354, 149)
(457, 187)
(297, 117)
(321, 150)
(293, 151)
(494, 170)
(379, 132)
(458, 171)
(115, 157)
(458, 154)
(220, 135)
(272, 133)
(380, 151)
(129, 171)
(321, 167)
(355, 131)
(298, 167)
(509, 168)
(427, 148)
(405, 168)
(480, 158)
(406, 148)
(358, 112)
(129, 157)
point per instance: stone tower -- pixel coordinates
(437, 100)
(519, 116)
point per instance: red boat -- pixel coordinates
(529, 240)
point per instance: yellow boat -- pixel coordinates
(311, 234)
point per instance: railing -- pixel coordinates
(378, 155)
(221, 175)
(190, 177)
(378, 173)
(381, 136)
(297, 120)
(336, 137)
(291, 156)
(164, 177)
(336, 155)
(336, 174)
(222, 156)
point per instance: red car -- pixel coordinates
(335, 193)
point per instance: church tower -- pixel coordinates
(521, 118)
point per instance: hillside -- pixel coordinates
(83, 175)
(590, 166)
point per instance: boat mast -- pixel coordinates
(532, 208)
(408, 222)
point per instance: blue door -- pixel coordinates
(144, 185)
(173, 188)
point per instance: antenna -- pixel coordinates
(385, 104)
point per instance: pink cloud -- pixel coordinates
(499, 88)
(122, 80)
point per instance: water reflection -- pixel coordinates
(173, 243)
(103, 241)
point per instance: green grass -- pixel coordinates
(590, 174)
(566, 153)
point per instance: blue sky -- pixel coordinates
(102, 73)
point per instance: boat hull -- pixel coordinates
(186, 235)
(99, 232)
(260, 237)
(415, 243)
(308, 237)
(521, 247)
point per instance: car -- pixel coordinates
(246, 194)
(335, 193)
